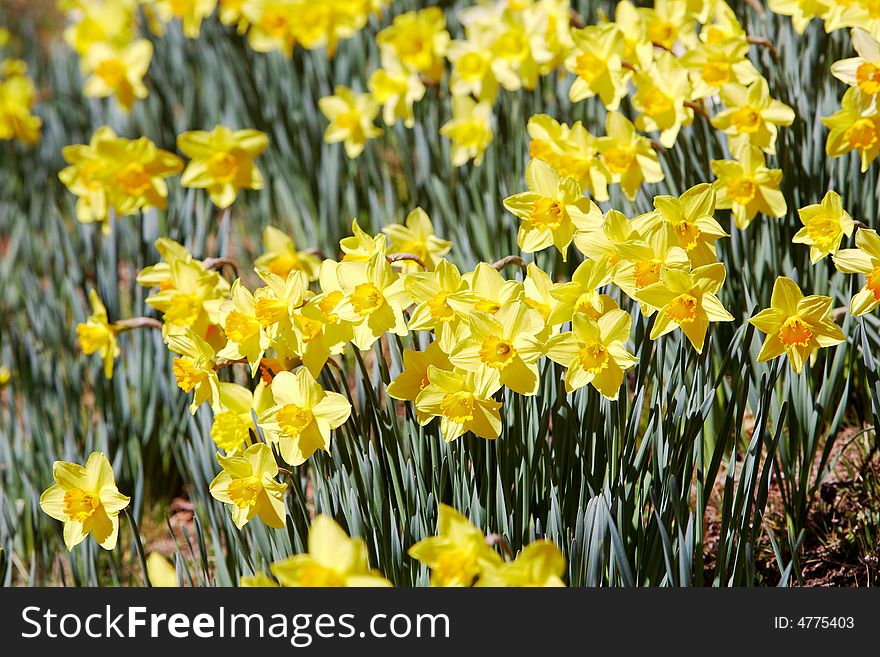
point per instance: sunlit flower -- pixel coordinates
(746, 186)
(597, 61)
(248, 485)
(470, 130)
(458, 553)
(661, 91)
(97, 335)
(416, 236)
(628, 156)
(396, 90)
(796, 326)
(825, 225)
(194, 369)
(418, 40)
(351, 117)
(862, 72)
(641, 262)
(463, 402)
(855, 127)
(540, 564)
(280, 255)
(233, 423)
(407, 385)
(594, 352)
(118, 72)
(86, 500)
(190, 12)
(801, 11)
(303, 416)
(687, 301)
(865, 260)
(472, 71)
(18, 97)
(752, 115)
(222, 161)
(333, 559)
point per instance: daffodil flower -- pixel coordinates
(642, 262)
(752, 115)
(839, 14)
(669, 23)
(862, 72)
(194, 369)
(361, 246)
(712, 65)
(416, 236)
(418, 40)
(572, 152)
(98, 335)
(498, 343)
(472, 71)
(191, 13)
(746, 186)
(855, 127)
(551, 211)
(661, 91)
(801, 11)
(303, 416)
(333, 559)
(396, 90)
(280, 256)
(594, 352)
(463, 402)
(82, 178)
(601, 244)
(431, 292)
(540, 564)
(581, 293)
(597, 61)
(271, 24)
(470, 130)
(248, 485)
(691, 217)
(191, 298)
(18, 97)
(796, 326)
(825, 225)
(351, 117)
(865, 260)
(233, 422)
(458, 554)
(86, 500)
(222, 162)
(118, 72)
(244, 332)
(687, 300)
(407, 385)
(487, 291)
(628, 156)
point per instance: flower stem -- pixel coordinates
(138, 544)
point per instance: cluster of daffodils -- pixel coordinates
(459, 555)
(115, 58)
(836, 14)
(856, 126)
(18, 97)
(121, 176)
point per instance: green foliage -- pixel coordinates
(624, 488)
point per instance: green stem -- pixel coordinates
(138, 544)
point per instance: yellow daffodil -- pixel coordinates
(628, 156)
(102, 22)
(712, 65)
(458, 554)
(280, 256)
(303, 416)
(796, 326)
(431, 291)
(839, 14)
(661, 91)
(161, 572)
(86, 500)
(572, 152)
(361, 246)
(351, 117)
(416, 236)
(581, 293)
(463, 402)
(18, 97)
(472, 71)
(407, 385)
(537, 292)
(190, 298)
(247, 483)
(374, 299)
(746, 186)
(825, 225)
(333, 559)
(233, 422)
(246, 336)
(551, 211)
(691, 216)
(642, 262)
(801, 11)
(396, 90)
(687, 301)
(418, 40)
(488, 291)
(669, 23)
(594, 352)
(272, 24)
(83, 179)
(222, 161)
(855, 127)
(540, 564)
(191, 13)
(602, 244)
(597, 61)
(862, 72)
(118, 72)
(194, 369)
(499, 343)
(752, 115)
(865, 260)
(97, 335)
(470, 130)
